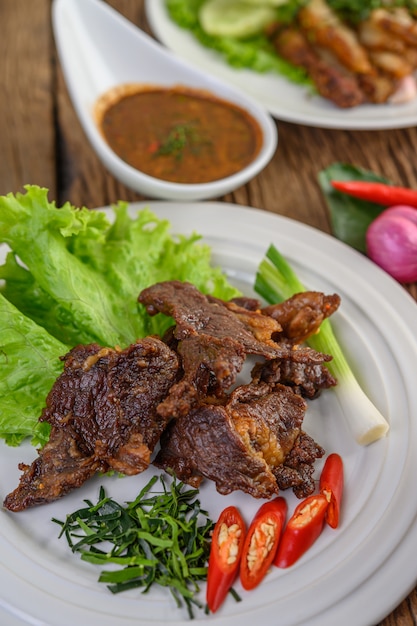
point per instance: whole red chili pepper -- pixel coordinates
(302, 530)
(380, 193)
(331, 486)
(261, 542)
(225, 554)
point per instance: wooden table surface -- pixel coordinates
(42, 143)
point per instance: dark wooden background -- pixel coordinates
(42, 143)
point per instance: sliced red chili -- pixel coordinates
(380, 193)
(225, 554)
(261, 542)
(331, 486)
(302, 530)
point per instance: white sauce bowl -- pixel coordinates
(100, 49)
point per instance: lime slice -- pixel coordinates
(234, 18)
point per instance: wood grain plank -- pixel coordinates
(27, 95)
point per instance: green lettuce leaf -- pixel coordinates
(29, 364)
(82, 274)
(73, 276)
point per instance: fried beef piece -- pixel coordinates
(212, 338)
(251, 304)
(110, 407)
(304, 370)
(301, 315)
(297, 471)
(241, 445)
(306, 377)
(102, 410)
(197, 314)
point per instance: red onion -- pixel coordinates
(391, 241)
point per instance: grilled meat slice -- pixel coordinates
(306, 378)
(373, 37)
(323, 27)
(396, 23)
(301, 315)
(332, 82)
(391, 63)
(378, 88)
(239, 445)
(110, 407)
(197, 314)
(212, 338)
(304, 370)
(297, 471)
(102, 410)
(251, 304)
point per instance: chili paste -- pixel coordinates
(178, 134)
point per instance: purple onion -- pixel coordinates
(391, 242)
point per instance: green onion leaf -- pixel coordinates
(276, 281)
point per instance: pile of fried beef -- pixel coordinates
(372, 61)
(175, 401)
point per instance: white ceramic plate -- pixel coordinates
(283, 99)
(99, 49)
(356, 574)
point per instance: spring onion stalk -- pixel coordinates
(276, 281)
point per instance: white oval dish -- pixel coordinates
(100, 49)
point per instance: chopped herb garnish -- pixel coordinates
(162, 538)
(181, 136)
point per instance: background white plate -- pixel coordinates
(283, 99)
(354, 575)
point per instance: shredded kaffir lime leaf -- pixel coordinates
(161, 538)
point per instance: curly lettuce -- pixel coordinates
(29, 364)
(73, 275)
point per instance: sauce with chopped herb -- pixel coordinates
(178, 134)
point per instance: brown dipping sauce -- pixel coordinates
(178, 134)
